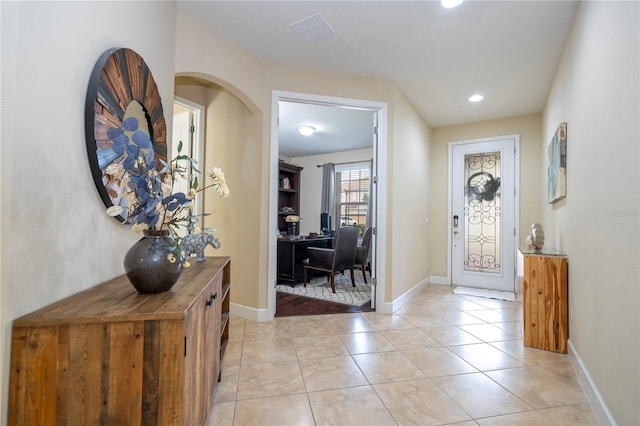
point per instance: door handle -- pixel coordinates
(212, 299)
(455, 224)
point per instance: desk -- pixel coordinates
(291, 253)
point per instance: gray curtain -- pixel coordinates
(328, 204)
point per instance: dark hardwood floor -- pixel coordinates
(288, 305)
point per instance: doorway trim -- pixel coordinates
(198, 121)
(381, 162)
(516, 182)
(197, 149)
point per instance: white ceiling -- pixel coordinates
(506, 50)
(337, 129)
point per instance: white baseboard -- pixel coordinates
(248, 313)
(434, 279)
(594, 397)
(390, 307)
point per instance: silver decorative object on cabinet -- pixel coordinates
(536, 237)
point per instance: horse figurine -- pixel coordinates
(196, 243)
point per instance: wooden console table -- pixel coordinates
(110, 355)
(543, 289)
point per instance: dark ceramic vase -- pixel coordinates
(147, 266)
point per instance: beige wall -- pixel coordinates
(253, 83)
(529, 129)
(233, 142)
(596, 91)
(56, 238)
(241, 77)
(408, 199)
(230, 125)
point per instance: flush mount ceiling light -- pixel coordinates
(450, 4)
(306, 130)
(476, 98)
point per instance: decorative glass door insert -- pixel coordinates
(482, 212)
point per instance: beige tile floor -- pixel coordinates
(439, 359)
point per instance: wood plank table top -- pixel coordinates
(118, 300)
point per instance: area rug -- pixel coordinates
(320, 288)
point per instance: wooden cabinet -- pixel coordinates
(110, 355)
(543, 294)
(288, 194)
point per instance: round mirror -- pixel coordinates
(123, 108)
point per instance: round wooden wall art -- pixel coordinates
(123, 105)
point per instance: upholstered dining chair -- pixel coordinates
(338, 259)
(363, 253)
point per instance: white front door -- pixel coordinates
(483, 213)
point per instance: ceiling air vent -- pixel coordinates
(313, 28)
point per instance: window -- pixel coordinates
(352, 195)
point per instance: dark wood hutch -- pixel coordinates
(288, 194)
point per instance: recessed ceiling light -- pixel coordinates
(306, 130)
(450, 4)
(476, 98)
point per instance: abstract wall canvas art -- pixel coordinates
(557, 171)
